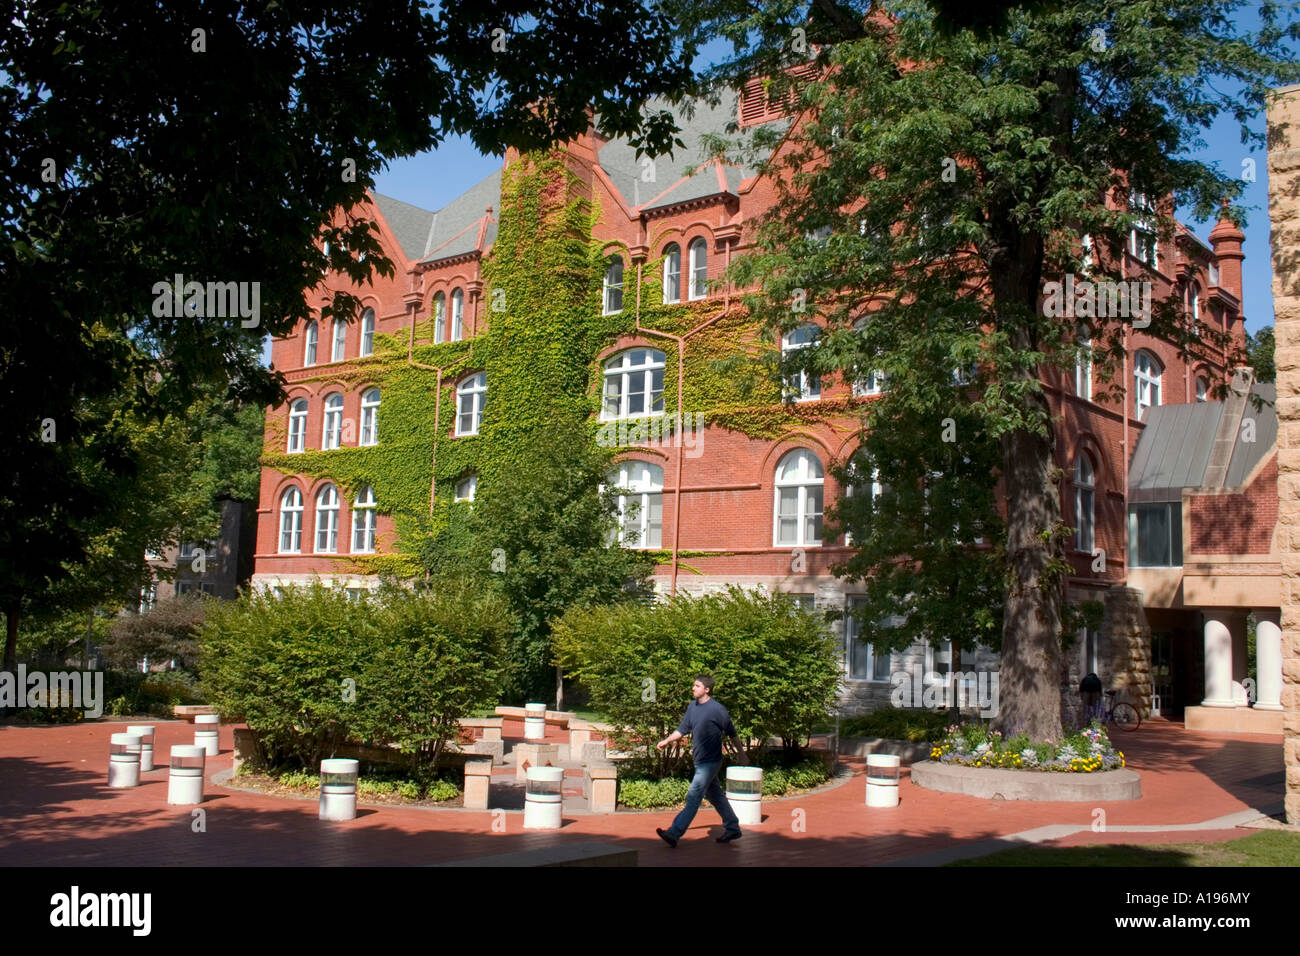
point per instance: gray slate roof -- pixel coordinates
(410, 224)
(1174, 448)
(456, 225)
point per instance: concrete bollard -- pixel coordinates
(185, 774)
(207, 733)
(600, 787)
(882, 780)
(478, 776)
(338, 789)
(544, 798)
(534, 721)
(145, 733)
(745, 793)
(124, 760)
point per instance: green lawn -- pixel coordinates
(1261, 848)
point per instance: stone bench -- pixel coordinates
(190, 711)
(560, 718)
(478, 777)
(570, 854)
(491, 726)
(535, 755)
(600, 786)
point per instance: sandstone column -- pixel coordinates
(1284, 214)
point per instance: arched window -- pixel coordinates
(1202, 389)
(699, 269)
(859, 466)
(340, 340)
(673, 273)
(471, 395)
(333, 424)
(467, 487)
(634, 384)
(801, 386)
(639, 486)
(363, 521)
(1083, 370)
(458, 315)
(368, 332)
(327, 520)
(309, 352)
(1084, 491)
(439, 318)
(798, 511)
(291, 521)
(1146, 381)
(370, 417)
(1194, 305)
(298, 425)
(614, 285)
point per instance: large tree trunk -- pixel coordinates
(1029, 690)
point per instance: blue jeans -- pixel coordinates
(705, 784)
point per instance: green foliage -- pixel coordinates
(311, 669)
(649, 794)
(775, 666)
(1259, 348)
(639, 790)
(168, 630)
(893, 723)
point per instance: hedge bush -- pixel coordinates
(311, 669)
(775, 666)
(918, 726)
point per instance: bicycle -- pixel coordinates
(1120, 713)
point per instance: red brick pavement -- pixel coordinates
(56, 808)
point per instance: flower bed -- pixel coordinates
(973, 745)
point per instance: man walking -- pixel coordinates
(706, 721)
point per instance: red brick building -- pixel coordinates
(731, 503)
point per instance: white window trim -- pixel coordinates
(368, 332)
(654, 361)
(801, 511)
(294, 511)
(1082, 487)
(670, 251)
(810, 388)
(337, 414)
(457, 315)
(1083, 371)
(610, 287)
(850, 635)
(470, 480)
(331, 515)
(638, 492)
(364, 508)
(311, 344)
(297, 418)
(698, 253)
(339, 344)
(439, 318)
(1153, 379)
(477, 394)
(369, 418)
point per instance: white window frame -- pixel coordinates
(439, 318)
(1146, 382)
(364, 521)
(312, 341)
(369, 417)
(639, 487)
(368, 332)
(327, 520)
(699, 265)
(809, 386)
(648, 362)
(339, 349)
(291, 521)
(672, 273)
(874, 661)
(612, 298)
(467, 488)
(457, 315)
(1143, 237)
(809, 474)
(1085, 503)
(1083, 370)
(297, 426)
(333, 415)
(474, 391)
(1202, 388)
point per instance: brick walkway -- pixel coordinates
(56, 809)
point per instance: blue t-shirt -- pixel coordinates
(706, 724)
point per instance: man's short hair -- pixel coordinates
(706, 680)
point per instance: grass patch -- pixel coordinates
(1262, 848)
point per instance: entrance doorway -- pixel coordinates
(1162, 674)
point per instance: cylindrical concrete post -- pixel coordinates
(1268, 660)
(1218, 661)
(745, 793)
(882, 780)
(338, 789)
(124, 760)
(185, 775)
(544, 798)
(145, 733)
(534, 721)
(207, 733)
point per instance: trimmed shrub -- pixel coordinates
(312, 669)
(776, 667)
(918, 726)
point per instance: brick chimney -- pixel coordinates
(1226, 239)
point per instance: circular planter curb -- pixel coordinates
(993, 783)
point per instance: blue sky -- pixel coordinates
(433, 179)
